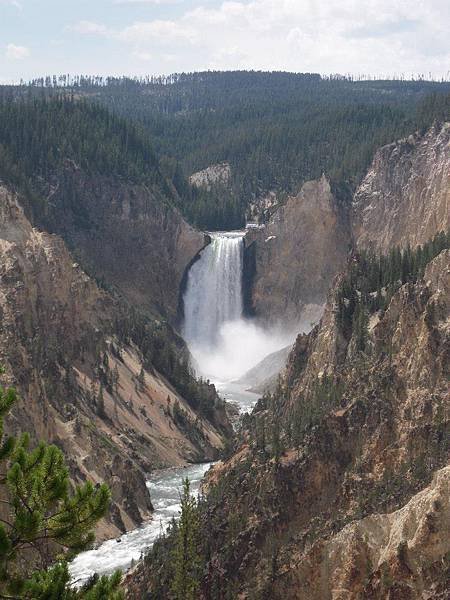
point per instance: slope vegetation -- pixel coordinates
(93, 375)
(274, 131)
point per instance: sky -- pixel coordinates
(139, 37)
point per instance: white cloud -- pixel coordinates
(14, 52)
(376, 36)
(384, 37)
(145, 56)
(88, 28)
(160, 31)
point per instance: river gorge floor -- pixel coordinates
(164, 487)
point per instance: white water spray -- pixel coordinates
(224, 344)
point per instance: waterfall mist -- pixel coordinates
(224, 345)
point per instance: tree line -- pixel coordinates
(371, 281)
(276, 130)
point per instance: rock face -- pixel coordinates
(212, 175)
(353, 502)
(264, 376)
(405, 196)
(297, 254)
(404, 199)
(127, 235)
(263, 207)
(394, 555)
(68, 347)
(372, 455)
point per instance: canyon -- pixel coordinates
(348, 455)
(124, 327)
(81, 361)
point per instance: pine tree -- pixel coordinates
(360, 327)
(276, 439)
(43, 520)
(186, 558)
(115, 380)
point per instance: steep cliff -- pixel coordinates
(84, 365)
(403, 199)
(295, 257)
(401, 554)
(125, 234)
(339, 489)
(405, 196)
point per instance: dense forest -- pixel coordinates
(372, 280)
(38, 135)
(276, 130)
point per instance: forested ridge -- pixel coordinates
(37, 135)
(276, 130)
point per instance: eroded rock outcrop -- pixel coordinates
(213, 175)
(405, 196)
(297, 254)
(84, 378)
(396, 555)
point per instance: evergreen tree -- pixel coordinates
(276, 439)
(43, 521)
(360, 327)
(371, 281)
(141, 378)
(186, 558)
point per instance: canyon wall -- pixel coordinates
(404, 199)
(127, 235)
(405, 196)
(82, 367)
(355, 505)
(352, 501)
(292, 260)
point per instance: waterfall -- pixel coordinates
(223, 344)
(213, 294)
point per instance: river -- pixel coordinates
(224, 347)
(164, 488)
